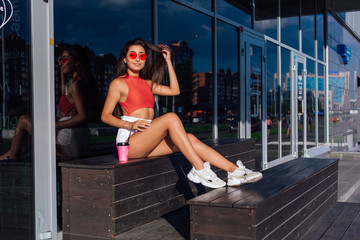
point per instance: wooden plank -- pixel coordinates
(139, 186)
(294, 221)
(289, 209)
(69, 236)
(341, 224)
(206, 236)
(82, 224)
(325, 221)
(150, 168)
(283, 198)
(221, 221)
(353, 232)
(306, 224)
(264, 189)
(92, 179)
(90, 198)
(138, 202)
(138, 218)
(269, 187)
(205, 199)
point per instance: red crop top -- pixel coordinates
(65, 106)
(139, 95)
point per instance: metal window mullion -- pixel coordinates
(281, 100)
(326, 52)
(215, 132)
(43, 118)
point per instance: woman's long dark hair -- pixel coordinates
(154, 68)
(88, 86)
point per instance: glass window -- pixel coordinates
(286, 100)
(192, 60)
(273, 102)
(290, 22)
(16, 142)
(266, 13)
(321, 104)
(320, 35)
(202, 3)
(238, 11)
(310, 104)
(308, 34)
(97, 47)
(228, 80)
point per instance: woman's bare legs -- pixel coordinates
(167, 135)
(23, 127)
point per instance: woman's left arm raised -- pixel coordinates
(173, 89)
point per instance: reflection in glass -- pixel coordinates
(238, 11)
(256, 83)
(290, 23)
(300, 113)
(228, 80)
(273, 102)
(320, 36)
(16, 143)
(192, 62)
(321, 104)
(78, 101)
(286, 100)
(310, 104)
(101, 42)
(266, 12)
(203, 3)
(308, 34)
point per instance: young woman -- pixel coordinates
(140, 70)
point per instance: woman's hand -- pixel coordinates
(166, 51)
(140, 125)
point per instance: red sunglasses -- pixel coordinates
(133, 55)
(63, 60)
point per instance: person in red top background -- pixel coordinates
(78, 91)
(141, 68)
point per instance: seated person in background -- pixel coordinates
(78, 90)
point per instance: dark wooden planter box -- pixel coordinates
(282, 205)
(102, 198)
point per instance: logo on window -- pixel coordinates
(6, 9)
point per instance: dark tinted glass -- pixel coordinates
(16, 161)
(96, 32)
(238, 11)
(192, 60)
(228, 80)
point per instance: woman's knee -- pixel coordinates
(172, 117)
(192, 138)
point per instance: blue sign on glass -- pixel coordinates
(345, 53)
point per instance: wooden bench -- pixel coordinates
(282, 205)
(102, 198)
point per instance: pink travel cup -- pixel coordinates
(123, 148)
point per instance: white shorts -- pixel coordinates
(124, 133)
(73, 141)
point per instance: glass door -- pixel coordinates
(298, 113)
(253, 52)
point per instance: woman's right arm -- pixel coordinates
(112, 99)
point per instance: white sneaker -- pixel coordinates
(206, 177)
(242, 175)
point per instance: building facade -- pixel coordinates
(238, 63)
